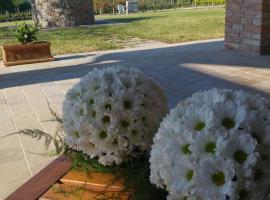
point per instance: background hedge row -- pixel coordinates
(15, 16)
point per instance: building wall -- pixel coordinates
(248, 26)
(62, 13)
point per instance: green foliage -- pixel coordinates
(26, 33)
(209, 2)
(17, 2)
(15, 16)
(12, 6)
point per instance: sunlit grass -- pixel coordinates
(6, 24)
(169, 27)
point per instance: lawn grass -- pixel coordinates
(169, 27)
(6, 24)
(172, 26)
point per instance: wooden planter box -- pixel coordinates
(58, 182)
(18, 54)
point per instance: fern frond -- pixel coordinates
(57, 117)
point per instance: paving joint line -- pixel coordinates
(36, 115)
(50, 102)
(19, 138)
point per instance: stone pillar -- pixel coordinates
(63, 13)
(248, 26)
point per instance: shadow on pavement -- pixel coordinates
(166, 65)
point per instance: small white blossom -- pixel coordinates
(214, 179)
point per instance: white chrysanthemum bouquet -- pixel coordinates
(214, 145)
(112, 114)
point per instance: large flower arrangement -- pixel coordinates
(214, 145)
(113, 114)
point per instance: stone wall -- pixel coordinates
(248, 26)
(62, 13)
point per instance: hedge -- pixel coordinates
(15, 16)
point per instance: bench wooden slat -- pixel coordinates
(40, 183)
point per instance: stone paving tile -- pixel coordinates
(181, 69)
(65, 85)
(14, 96)
(255, 78)
(43, 112)
(13, 169)
(34, 94)
(55, 94)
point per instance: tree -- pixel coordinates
(5, 5)
(17, 3)
(114, 3)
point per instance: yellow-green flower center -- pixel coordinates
(218, 178)
(228, 123)
(189, 175)
(240, 156)
(103, 135)
(81, 111)
(108, 106)
(94, 113)
(210, 147)
(199, 126)
(106, 119)
(134, 132)
(91, 101)
(124, 123)
(186, 150)
(127, 104)
(76, 133)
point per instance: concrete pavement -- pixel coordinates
(181, 69)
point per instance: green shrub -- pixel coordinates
(26, 33)
(15, 16)
(209, 2)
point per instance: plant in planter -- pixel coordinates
(26, 33)
(214, 145)
(28, 51)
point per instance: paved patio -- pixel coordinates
(181, 69)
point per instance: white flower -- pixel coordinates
(214, 179)
(175, 148)
(208, 143)
(197, 118)
(229, 114)
(221, 138)
(260, 130)
(240, 148)
(183, 172)
(113, 114)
